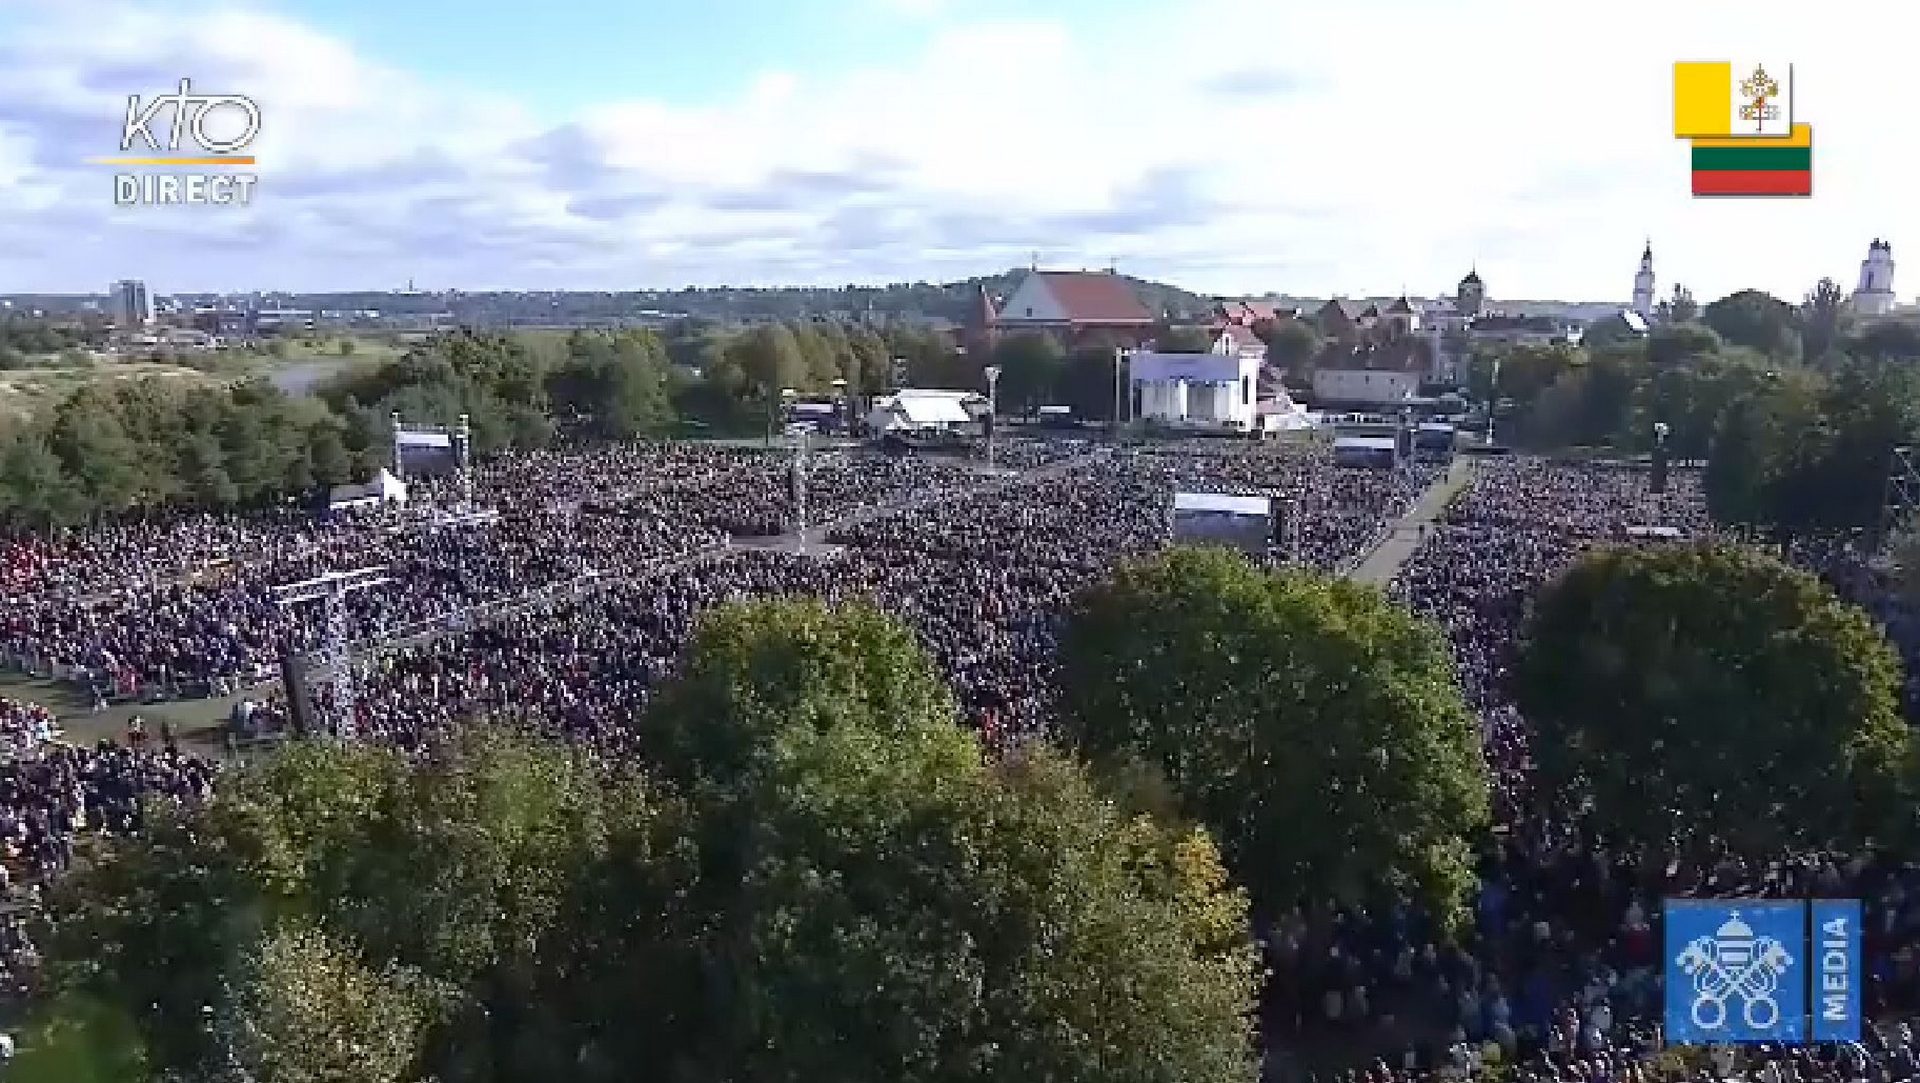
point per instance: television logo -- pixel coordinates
(219, 126)
(1745, 970)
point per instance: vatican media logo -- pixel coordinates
(221, 128)
(1743, 971)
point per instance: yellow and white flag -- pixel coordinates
(1720, 99)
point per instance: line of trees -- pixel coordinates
(114, 447)
(1797, 409)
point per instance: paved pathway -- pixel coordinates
(1393, 551)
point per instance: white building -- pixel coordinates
(1643, 285)
(131, 305)
(1874, 296)
(1207, 390)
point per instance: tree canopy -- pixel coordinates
(1759, 321)
(840, 885)
(1310, 723)
(1700, 694)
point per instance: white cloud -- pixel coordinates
(1222, 144)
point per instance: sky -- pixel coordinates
(1228, 146)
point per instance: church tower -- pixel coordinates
(1472, 297)
(1643, 284)
(1874, 297)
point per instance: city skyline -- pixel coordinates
(1228, 147)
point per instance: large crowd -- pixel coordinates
(1557, 976)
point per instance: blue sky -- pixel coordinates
(1232, 146)
(602, 49)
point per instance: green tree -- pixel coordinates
(1887, 340)
(1758, 321)
(778, 666)
(1823, 321)
(95, 450)
(1086, 382)
(34, 487)
(1031, 366)
(1292, 344)
(1311, 724)
(482, 870)
(1713, 696)
(306, 1010)
(203, 469)
(888, 903)
(770, 362)
(1183, 340)
(1607, 331)
(1679, 343)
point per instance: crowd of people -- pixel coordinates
(1557, 977)
(54, 794)
(983, 572)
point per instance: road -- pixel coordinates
(1393, 551)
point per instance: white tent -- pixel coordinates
(913, 410)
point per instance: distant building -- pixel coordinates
(1075, 307)
(132, 305)
(1471, 298)
(1874, 295)
(1234, 312)
(1238, 340)
(1216, 390)
(1643, 285)
(274, 321)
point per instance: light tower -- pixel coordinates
(1874, 297)
(331, 591)
(797, 480)
(1643, 284)
(993, 408)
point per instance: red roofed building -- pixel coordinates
(1234, 312)
(1075, 307)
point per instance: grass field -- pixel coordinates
(45, 381)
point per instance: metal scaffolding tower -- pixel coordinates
(1903, 495)
(1286, 531)
(798, 483)
(331, 591)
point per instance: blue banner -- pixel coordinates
(1834, 970)
(1736, 971)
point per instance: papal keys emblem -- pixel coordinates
(1734, 963)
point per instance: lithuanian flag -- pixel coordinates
(1755, 167)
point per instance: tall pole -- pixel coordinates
(399, 469)
(1116, 391)
(800, 487)
(993, 409)
(466, 463)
